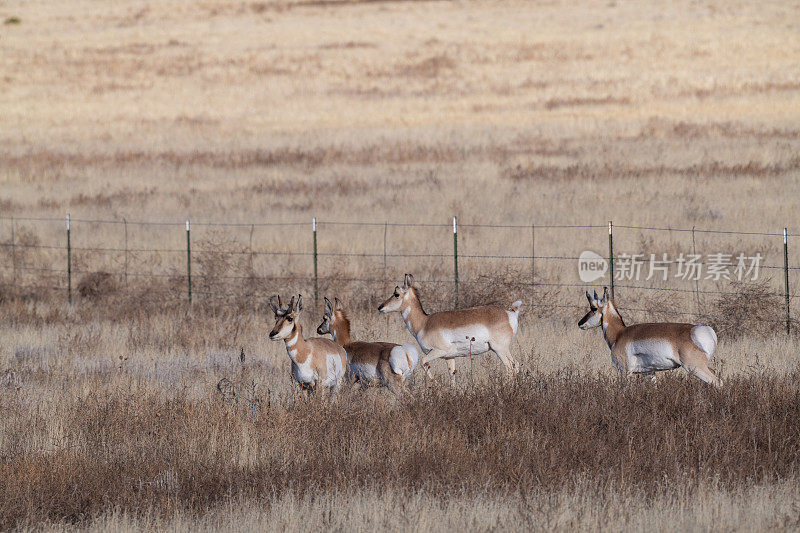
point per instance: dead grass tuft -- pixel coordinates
(555, 103)
(754, 309)
(97, 285)
(431, 67)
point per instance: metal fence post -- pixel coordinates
(455, 256)
(786, 276)
(316, 277)
(696, 279)
(13, 252)
(69, 264)
(611, 253)
(252, 268)
(533, 254)
(189, 259)
(125, 223)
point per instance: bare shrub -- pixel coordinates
(223, 263)
(503, 286)
(750, 309)
(97, 285)
(430, 67)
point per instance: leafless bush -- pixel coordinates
(222, 261)
(503, 286)
(97, 285)
(750, 309)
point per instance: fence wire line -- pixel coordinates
(386, 223)
(180, 274)
(334, 254)
(308, 279)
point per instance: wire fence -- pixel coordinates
(183, 260)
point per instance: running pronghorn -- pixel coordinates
(369, 362)
(315, 361)
(456, 333)
(649, 348)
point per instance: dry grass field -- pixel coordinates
(679, 115)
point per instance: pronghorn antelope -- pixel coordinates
(369, 362)
(456, 333)
(649, 348)
(315, 361)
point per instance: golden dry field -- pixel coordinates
(384, 120)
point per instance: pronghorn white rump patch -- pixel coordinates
(513, 315)
(649, 355)
(705, 338)
(403, 359)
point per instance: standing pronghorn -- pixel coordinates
(315, 361)
(649, 348)
(456, 333)
(369, 362)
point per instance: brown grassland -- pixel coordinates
(131, 409)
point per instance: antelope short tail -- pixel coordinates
(705, 338)
(513, 315)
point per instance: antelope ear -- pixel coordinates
(291, 305)
(299, 302)
(409, 281)
(338, 302)
(274, 304)
(328, 307)
(596, 297)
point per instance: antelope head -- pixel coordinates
(329, 318)
(285, 317)
(398, 297)
(597, 306)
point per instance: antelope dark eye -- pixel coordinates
(289, 319)
(396, 295)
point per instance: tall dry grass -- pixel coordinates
(117, 447)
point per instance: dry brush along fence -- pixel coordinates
(653, 271)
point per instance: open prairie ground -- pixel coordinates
(676, 115)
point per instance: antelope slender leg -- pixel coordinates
(397, 386)
(451, 367)
(504, 353)
(436, 353)
(695, 362)
(705, 374)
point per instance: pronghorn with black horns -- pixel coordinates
(383, 363)
(456, 333)
(315, 361)
(653, 347)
